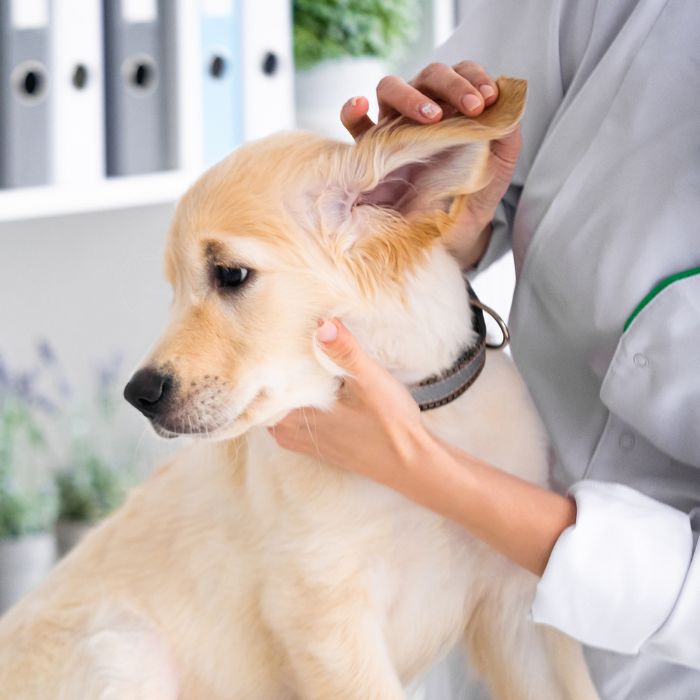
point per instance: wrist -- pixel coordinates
(480, 247)
(469, 248)
(427, 469)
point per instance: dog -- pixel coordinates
(242, 570)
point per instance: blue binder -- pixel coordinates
(222, 91)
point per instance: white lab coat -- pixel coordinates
(605, 205)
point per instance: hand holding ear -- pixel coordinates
(373, 429)
(437, 91)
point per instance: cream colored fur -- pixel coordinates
(240, 570)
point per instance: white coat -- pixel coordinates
(604, 221)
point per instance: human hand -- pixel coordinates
(436, 92)
(374, 428)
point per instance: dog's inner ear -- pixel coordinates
(422, 168)
(430, 183)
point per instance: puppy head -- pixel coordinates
(291, 229)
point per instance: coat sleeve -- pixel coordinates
(624, 577)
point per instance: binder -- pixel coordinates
(222, 74)
(78, 123)
(138, 87)
(268, 96)
(25, 93)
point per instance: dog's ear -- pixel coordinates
(411, 168)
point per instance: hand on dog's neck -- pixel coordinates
(425, 333)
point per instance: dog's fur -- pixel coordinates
(241, 570)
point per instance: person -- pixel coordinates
(601, 209)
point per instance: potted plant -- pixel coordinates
(88, 491)
(28, 501)
(341, 49)
(94, 481)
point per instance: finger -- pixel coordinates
(354, 117)
(293, 431)
(444, 83)
(340, 345)
(395, 95)
(480, 79)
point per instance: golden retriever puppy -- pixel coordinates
(244, 571)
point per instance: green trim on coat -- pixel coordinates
(657, 290)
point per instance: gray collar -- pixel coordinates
(440, 389)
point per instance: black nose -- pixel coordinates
(148, 390)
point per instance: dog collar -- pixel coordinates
(440, 389)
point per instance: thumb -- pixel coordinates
(340, 345)
(354, 116)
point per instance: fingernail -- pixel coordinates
(487, 91)
(354, 100)
(429, 110)
(471, 102)
(327, 332)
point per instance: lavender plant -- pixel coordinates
(94, 483)
(28, 501)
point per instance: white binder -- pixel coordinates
(78, 123)
(268, 73)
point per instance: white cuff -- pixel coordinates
(614, 577)
(678, 640)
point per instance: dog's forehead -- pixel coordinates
(252, 204)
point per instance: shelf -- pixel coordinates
(117, 193)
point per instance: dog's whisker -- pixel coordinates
(312, 435)
(138, 447)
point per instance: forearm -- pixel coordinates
(521, 520)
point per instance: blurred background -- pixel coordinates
(108, 111)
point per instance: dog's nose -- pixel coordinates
(148, 390)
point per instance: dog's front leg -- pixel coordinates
(342, 661)
(335, 649)
(519, 659)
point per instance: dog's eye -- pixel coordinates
(227, 277)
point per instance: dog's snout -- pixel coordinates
(148, 390)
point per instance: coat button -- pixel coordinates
(640, 360)
(627, 441)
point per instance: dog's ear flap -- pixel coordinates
(419, 168)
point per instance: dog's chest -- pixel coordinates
(416, 570)
(426, 587)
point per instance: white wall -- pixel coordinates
(92, 284)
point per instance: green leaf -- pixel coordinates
(26, 512)
(328, 29)
(90, 490)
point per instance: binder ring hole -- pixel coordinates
(141, 73)
(217, 67)
(80, 76)
(31, 81)
(270, 63)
